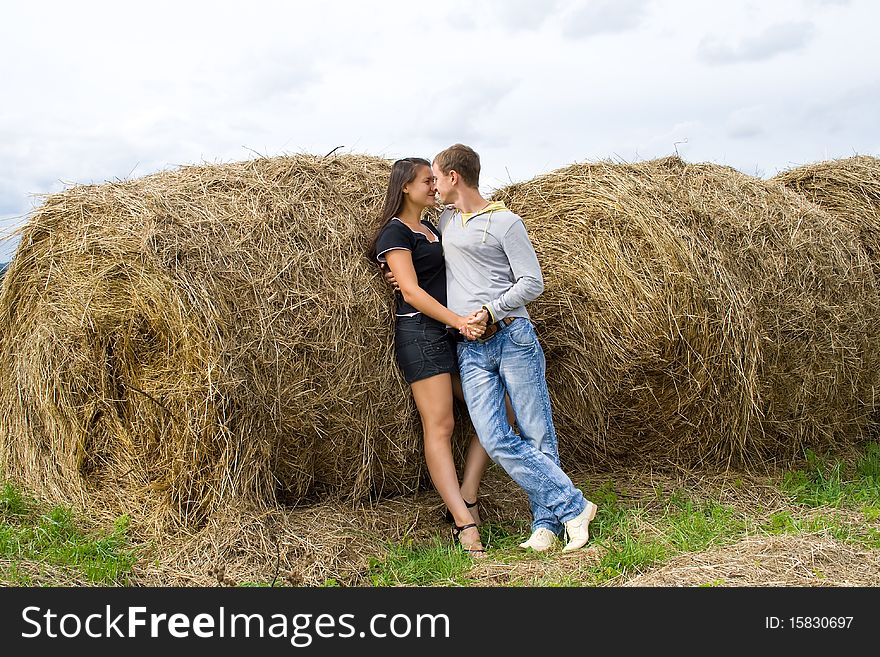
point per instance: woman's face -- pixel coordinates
(422, 190)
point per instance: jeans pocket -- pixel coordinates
(434, 352)
(522, 333)
(411, 360)
(405, 342)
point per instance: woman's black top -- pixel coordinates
(427, 260)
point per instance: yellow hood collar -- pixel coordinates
(494, 206)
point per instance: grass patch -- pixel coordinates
(53, 538)
(783, 522)
(637, 538)
(697, 526)
(868, 466)
(825, 481)
(626, 555)
(12, 503)
(436, 564)
(504, 536)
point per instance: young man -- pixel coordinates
(491, 263)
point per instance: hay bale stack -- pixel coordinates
(849, 190)
(697, 314)
(205, 337)
(212, 337)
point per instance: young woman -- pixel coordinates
(424, 349)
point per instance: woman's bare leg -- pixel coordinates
(433, 397)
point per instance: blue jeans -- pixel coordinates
(513, 361)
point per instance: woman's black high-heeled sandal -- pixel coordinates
(469, 505)
(456, 531)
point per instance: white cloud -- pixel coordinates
(746, 122)
(466, 113)
(604, 17)
(514, 15)
(772, 41)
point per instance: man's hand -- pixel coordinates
(389, 276)
(480, 316)
(474, 324)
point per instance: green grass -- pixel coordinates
(824, 481)
(435, 564)
(627, 554)
(683, 525)
(54, 538)
(783, 522)
(505, 537)
(829, 483)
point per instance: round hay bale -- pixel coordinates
(849, 190)
(205, 337)
(696, 314)
(813, 295)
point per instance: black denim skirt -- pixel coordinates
(423, 347)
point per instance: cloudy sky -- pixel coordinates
(97, 91)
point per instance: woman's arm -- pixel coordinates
(401, 265)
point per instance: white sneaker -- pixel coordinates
(540, 540)
(578, 528)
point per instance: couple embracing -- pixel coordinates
(462, 330)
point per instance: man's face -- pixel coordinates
(445, 188)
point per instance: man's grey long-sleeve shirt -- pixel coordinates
(489, 261)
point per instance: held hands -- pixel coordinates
(471, 327)
(474, 325)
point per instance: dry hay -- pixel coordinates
(695, 314)
(211, 338)
(849, 190)
(846, 188)
(40, 573)
(203, 339)
(306, 546)
(311, 545)
(786, 560)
